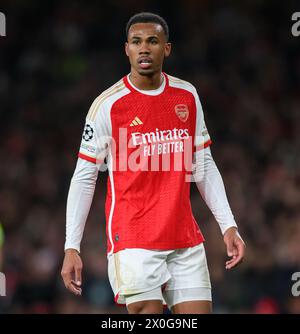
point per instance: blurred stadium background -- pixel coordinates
(59, 55)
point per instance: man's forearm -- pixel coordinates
(79, 201)
(212, 190)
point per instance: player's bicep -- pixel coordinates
(202, 137)
(96, 135)
(88, 146)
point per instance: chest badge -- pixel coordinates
(182, 111)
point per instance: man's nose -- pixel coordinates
(144, 49)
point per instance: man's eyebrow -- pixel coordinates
(149, 37)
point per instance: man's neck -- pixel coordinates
(144, 82)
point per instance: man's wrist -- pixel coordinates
(71, 250)
(230, 229)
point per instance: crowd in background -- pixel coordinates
(245, 63)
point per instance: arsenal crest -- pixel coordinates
(182, 112)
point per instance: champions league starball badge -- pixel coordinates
(88, 133)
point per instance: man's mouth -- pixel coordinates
(145, 62)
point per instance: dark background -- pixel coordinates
(245, 63)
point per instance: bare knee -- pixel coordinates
(146, 307)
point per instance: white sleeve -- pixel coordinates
(97, 133)
(94, 145)
(79, 201)
(202, 137)
(212, 190)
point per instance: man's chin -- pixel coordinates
(146, 72)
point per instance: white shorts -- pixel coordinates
(172, 276)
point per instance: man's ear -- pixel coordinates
(126, 49)
(168, 48)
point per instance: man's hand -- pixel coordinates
(71, 271)
(235, 247)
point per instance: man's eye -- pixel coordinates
(153, 42)
(135, 42)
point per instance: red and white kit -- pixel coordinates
(152, 142)
(148, 136)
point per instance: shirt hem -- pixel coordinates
(163, 247)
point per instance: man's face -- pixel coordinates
(147, 47)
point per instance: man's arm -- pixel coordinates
(79, 201)
(212, 190)
(94, 147)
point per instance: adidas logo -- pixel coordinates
(136, 122)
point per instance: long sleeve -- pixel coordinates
(79, 201)
(93, 150)
(211, 188)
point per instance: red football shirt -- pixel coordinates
(148, 139)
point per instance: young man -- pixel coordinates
(150, 128)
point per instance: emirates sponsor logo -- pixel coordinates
(139, 138)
